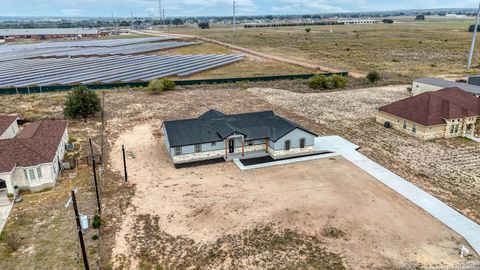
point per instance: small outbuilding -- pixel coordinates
(446, 113)
(423, 85)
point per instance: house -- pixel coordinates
(31, 160)
(423, 85)
(446, 113)
(8, 127)
(216, 135)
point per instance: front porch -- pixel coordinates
(237, 148)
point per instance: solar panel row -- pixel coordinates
(90, 51)
(29, 72)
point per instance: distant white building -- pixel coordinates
(30, 158)
(358, 21)
(47, 33)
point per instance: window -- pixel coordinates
(287, 145)
(456, 128)
(452, 127)
(31, 174)
(404, 124)
(213, 144)
(414, 128)
(250, 143)
(178, 151)
(198, 148)
(302, 143)
(39, 172)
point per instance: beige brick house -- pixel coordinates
(446, 113)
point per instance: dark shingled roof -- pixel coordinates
(5, 122)
(214, 126)
(431, 108)
(36, 144)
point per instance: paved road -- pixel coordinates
(447, 215)
(5, 207)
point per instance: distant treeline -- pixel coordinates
(290, 24)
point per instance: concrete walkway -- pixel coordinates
(447, 215)
(473, 138)
(5, 208)
(282, 162)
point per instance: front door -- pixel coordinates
(231, 146)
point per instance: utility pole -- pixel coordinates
(124, 163)
(234, 18)
(79, 230)
(472, 47)
(163, 18)
(131, 20)
(91, 148)
(99, 207)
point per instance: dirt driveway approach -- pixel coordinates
(322, 214)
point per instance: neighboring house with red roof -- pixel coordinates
(31, 160)
(8, 127)
(446, 113)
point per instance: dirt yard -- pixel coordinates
(447, 169)
(371, 226)
(324, 214)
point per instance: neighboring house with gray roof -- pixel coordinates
(215, 135)
(423, 85)
(31, 160)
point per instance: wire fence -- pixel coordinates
(36, 89)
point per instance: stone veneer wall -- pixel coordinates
(291, 152)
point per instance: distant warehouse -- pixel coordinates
(47, 33)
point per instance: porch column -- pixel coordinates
(266, 145)
(226, 149)
(243, 147)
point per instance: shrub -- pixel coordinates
(204, 25)
(323, 82)
(71, 138)
(373, 76)
(97, 222)
(81, 103)
(339, 81)
(13, 241)
(317, 82)
(308, 30)
(471, 28)
(387, 21)
(94, 237)
(420, 18)
(157, 86)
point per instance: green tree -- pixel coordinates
(308, 30)
(81, 103)
(373, 76)
(177, 21)
(204, 25)
(157, 86)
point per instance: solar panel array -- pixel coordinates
(110, 69)
(74, 51)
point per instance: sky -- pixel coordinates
(146, 8)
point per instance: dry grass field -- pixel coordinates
(402, 51)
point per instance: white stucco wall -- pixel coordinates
(419, 88)
(294, 136)
(11, 131)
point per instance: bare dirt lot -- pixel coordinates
(323, 214)
(376, 227)
(447, 168)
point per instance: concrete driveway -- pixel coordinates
(5, 207)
